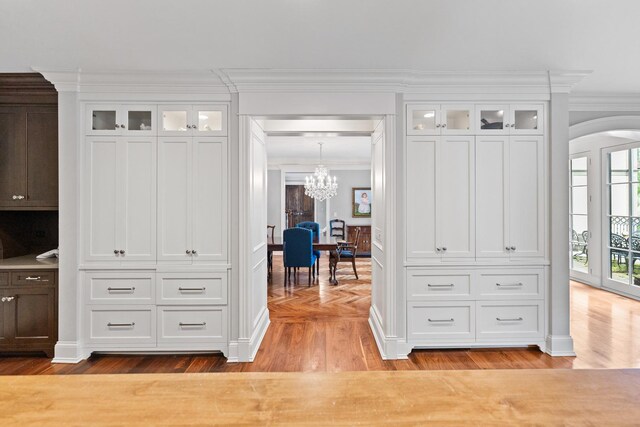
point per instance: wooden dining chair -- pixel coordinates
(348, 251)
(271, 230)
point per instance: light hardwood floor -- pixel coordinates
(324, 328)
(498, 398)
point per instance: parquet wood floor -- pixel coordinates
(325, 328)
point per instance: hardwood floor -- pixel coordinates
(498, 398)
(325, 328)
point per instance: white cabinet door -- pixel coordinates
(103, 119)
(138, 120)
(492, 119)
(526, 196)
(209, 120)
(492, 179)
(174, 199)
(420, 197)
(457, 119)
(527, 119)
(423, 119)
(137, 236)
(209, 206)
(455, 196)
(102, 204)
(174, 120)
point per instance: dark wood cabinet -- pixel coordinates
(364, 243)
(28, 312)
(28, 157)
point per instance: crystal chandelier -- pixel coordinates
(320, 186)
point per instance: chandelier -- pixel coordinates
(320, 186)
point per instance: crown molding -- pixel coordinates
(562, 81)
(604, 102)
(396, 81)
(142, 82)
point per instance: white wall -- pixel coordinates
(274, 194)
(340, 206)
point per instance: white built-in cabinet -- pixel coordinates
(509, 192)
(120, 199)
(192, 188)
(475, 225)
(154, 227)
(440, 209)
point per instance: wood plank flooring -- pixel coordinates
(324, 328)
(507, 397)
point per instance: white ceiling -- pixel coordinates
(430, 35)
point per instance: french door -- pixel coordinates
(579, 217)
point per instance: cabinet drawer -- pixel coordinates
(120, 288)
(423, 285)
(133, 325)
(4, 278)
(525, 284)
(192, 324)
(444, 321)
(35, 277)
(507, 319)
(195, 288)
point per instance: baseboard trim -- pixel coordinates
(244, 350)
(559, 345)
(68, 352)
(390, 348)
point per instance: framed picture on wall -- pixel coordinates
(361, 197)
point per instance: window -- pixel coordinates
(624, 216)
(578, 220)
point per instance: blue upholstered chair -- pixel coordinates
(298, 251)
(315, 228)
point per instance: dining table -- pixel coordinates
(324, 243)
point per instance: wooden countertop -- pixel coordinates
(488, 397)
(28, 262)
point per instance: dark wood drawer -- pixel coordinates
(4, 278)
(33, 277)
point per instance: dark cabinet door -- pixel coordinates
(298, 206)
(12, 156)
(6, 331)
(32, 314)
(42, 157)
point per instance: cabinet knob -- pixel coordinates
(437, 249)
(188, 126)
(8, 299)
(115, 251)
(513, 248)
(444, 249)
(188, 252)
(122, 126)
(121, 251)
(507, 248)
(437, 126)
(444, 125)
(194, 252)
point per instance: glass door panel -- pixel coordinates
(526, 119)
(423, 119)
(579, 215)
(174, 120)
(491, 119)
(102, 120)
(457, 119)
(209, 120)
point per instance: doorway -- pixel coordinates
(298, 206)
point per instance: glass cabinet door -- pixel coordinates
(140, 120)
(457, 119)
(103, 120)
(527, 119)
(423, 120)
(209, 120)
(490, 119)
(174, 120)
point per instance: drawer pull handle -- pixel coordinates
(517, 319)
(130, 289)
(186, 325)
(181, 289)
(440, 320)
(450, 285)
(33, 278)
(121, 325)
(8, 299)
(509, 284)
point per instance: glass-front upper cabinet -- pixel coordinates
(121, 120)
(514, 119)
(445, 119)
(423, 119)
(526, 120)
(178, 120)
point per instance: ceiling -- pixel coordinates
(305, 150)
(423, 35)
